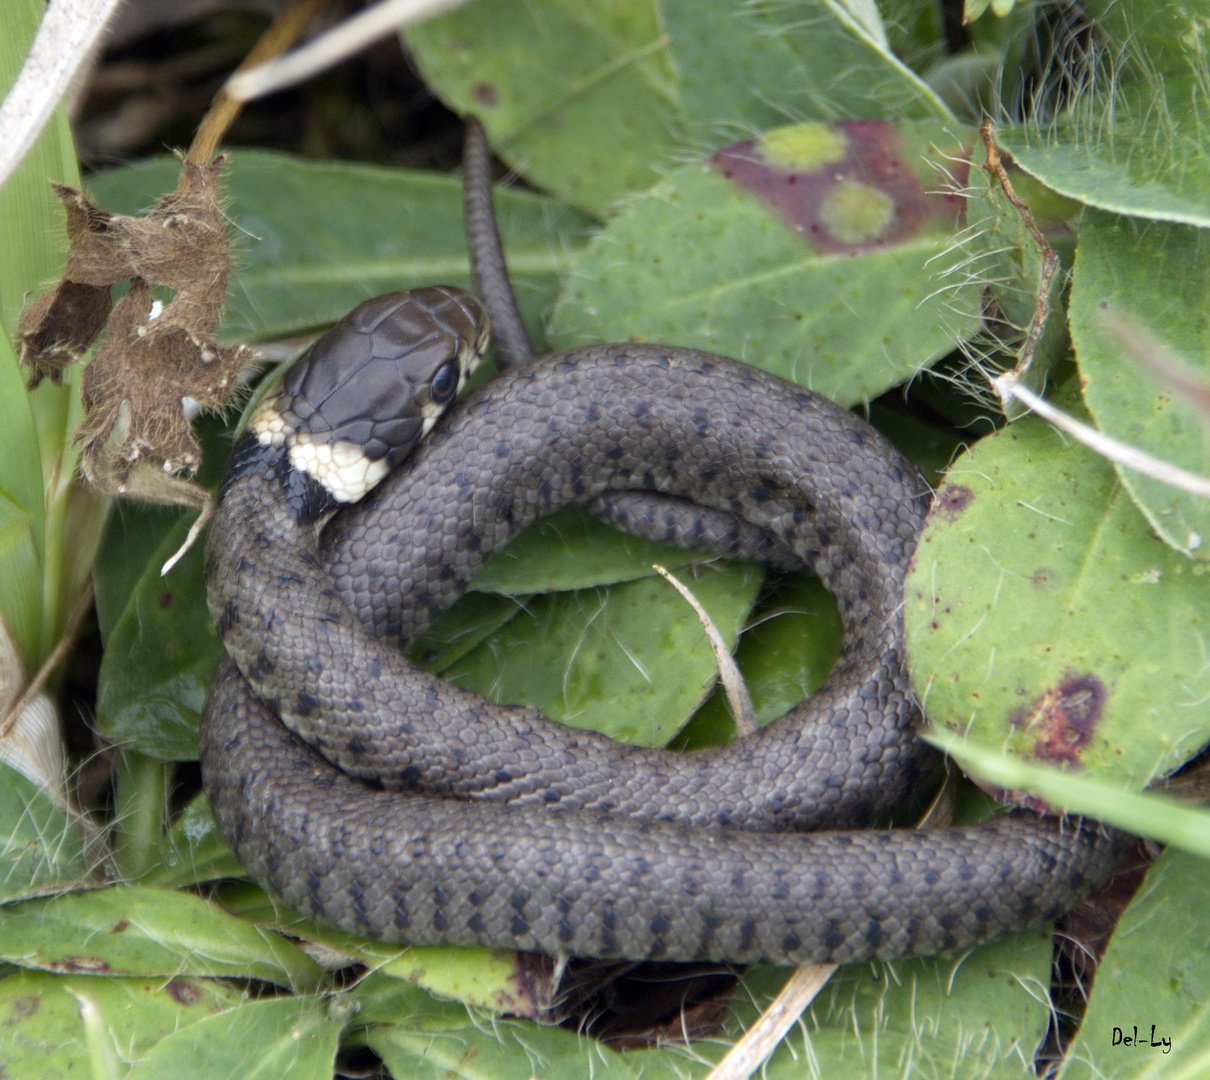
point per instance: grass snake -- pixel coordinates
(375, 797)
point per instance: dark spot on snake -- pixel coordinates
(550, 796)
(982, 914)
(747, 934)
(354, 746)
(947, 920)
(967, 872)
(401, 918)
(833, 939)
(260, 667)
(931, 877)
(518, 927)
(306, 704)
(502, 450)
(615, 452)
(441, 921)
(761, 494)
(228, 618)
(475, 924)
(503, 776)
(565, 931)
(791, 943)
(409, 777)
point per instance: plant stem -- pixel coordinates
(140, 803)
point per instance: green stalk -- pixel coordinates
(140, 811)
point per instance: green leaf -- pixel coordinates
(749, 67)
(314, 240)
(571, 549)
(808, 262)
(867, 1019)
(1131, 142)
(1153, 983)
(1157, 276)
(40, 849)
(285, 1038)
(621, 84)
(41, 1034)
(159, 657)
(1043, 620)
(591, 119)
(128, 930)
(784, 656)
(630, 660)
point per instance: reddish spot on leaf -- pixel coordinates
(865, 196)
(184, 993)
(119, 926)
(23, 1007)
(485, 94)
(1063, 718)
(165, 599)
(80, 965)
(951, 500)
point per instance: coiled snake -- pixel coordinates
(407, 809)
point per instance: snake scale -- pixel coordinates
(373, 796)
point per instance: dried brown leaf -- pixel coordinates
(134, 392)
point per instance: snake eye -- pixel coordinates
(444, 383)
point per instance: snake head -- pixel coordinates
(358, 401)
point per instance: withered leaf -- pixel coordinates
(135, 387)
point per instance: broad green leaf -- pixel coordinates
(621, 85)
(750, 66)
(580, 96)
(470, 620)
(1157, 276)
(811, 252)
(128, 930)
(1132, 140)
(286, 1038)
(39, 848)
(500, 981)
(630, 660)
(571, 549)
(41, 1034)
(975, 1014)
(1044, 620)
(783, 657)
(907, 1018)
(314, 240)
(1153, 983)
(159, 657)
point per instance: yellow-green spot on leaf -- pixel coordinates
(854, 212)
(803, 147)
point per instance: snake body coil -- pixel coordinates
(454, 820)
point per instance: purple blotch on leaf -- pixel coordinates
(874, 170)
